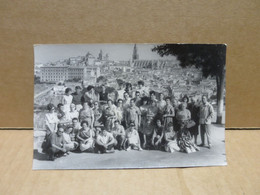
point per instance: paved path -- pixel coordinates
(139, 159)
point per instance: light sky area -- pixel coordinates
(53, 52)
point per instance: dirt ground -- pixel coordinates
(140, 159)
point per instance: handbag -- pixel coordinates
(190, 123)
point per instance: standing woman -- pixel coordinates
(120, 112)
(97, 114)
(86, 138)
(109, 115)
(144, 110)
(129, 90)
(169, 112)
(67, 100)
(161, 106)
(86, 114)
(185, 141)
(51, 119)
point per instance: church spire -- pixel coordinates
(135, 54)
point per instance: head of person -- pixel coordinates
(75, 122)
(103, 88)
(140, 84)
(121, 85)
(116, 123)
(128, 87)
(193, 100)
(68, 91)
(137, 94)
(145, 100)
(119, 102)
(84, 85)
(85, 105)
(103, 131)
(153, 103)
(69, 129)
(91, 88)
(60, 130)
(132, 102)
(161, 96)
(169, 127)
(132, 125)
(109, 102)
(84, 125)
(204, 99)
(126, 95)
(158, 122)
(60, 107)
(152, 95)
(185, 99)
(78, 89)
(51, 108)
(168, 100)
(72, 107)
(96, 105)
(183, 106)
(91, 105)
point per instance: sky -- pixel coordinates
(45, 53)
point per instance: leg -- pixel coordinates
(208, 134)
(100, 148)
(202, 134)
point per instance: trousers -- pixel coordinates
(205, 130)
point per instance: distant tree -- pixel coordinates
(37, 79)
(101, 79)
(210, 58)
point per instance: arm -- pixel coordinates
(211, 112)
(80, 137)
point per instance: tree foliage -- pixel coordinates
(210, 57)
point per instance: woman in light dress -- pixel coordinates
(67, 100)
(51, 119)
(170, 137)
(185, 141)
(86, 114)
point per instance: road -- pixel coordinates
(140, 159)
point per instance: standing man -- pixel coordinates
(205, 114)
(77, 95)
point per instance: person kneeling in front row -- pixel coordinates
(105, 142)
(132, 138)
(86, 137)
(56, 147)
(118, 132)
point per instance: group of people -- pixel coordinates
(90, 121)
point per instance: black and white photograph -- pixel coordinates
(125, 106)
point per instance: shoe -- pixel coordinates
(140, 149)
(209, 146)
(110, 151)
(201, 145)
(129, 148)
